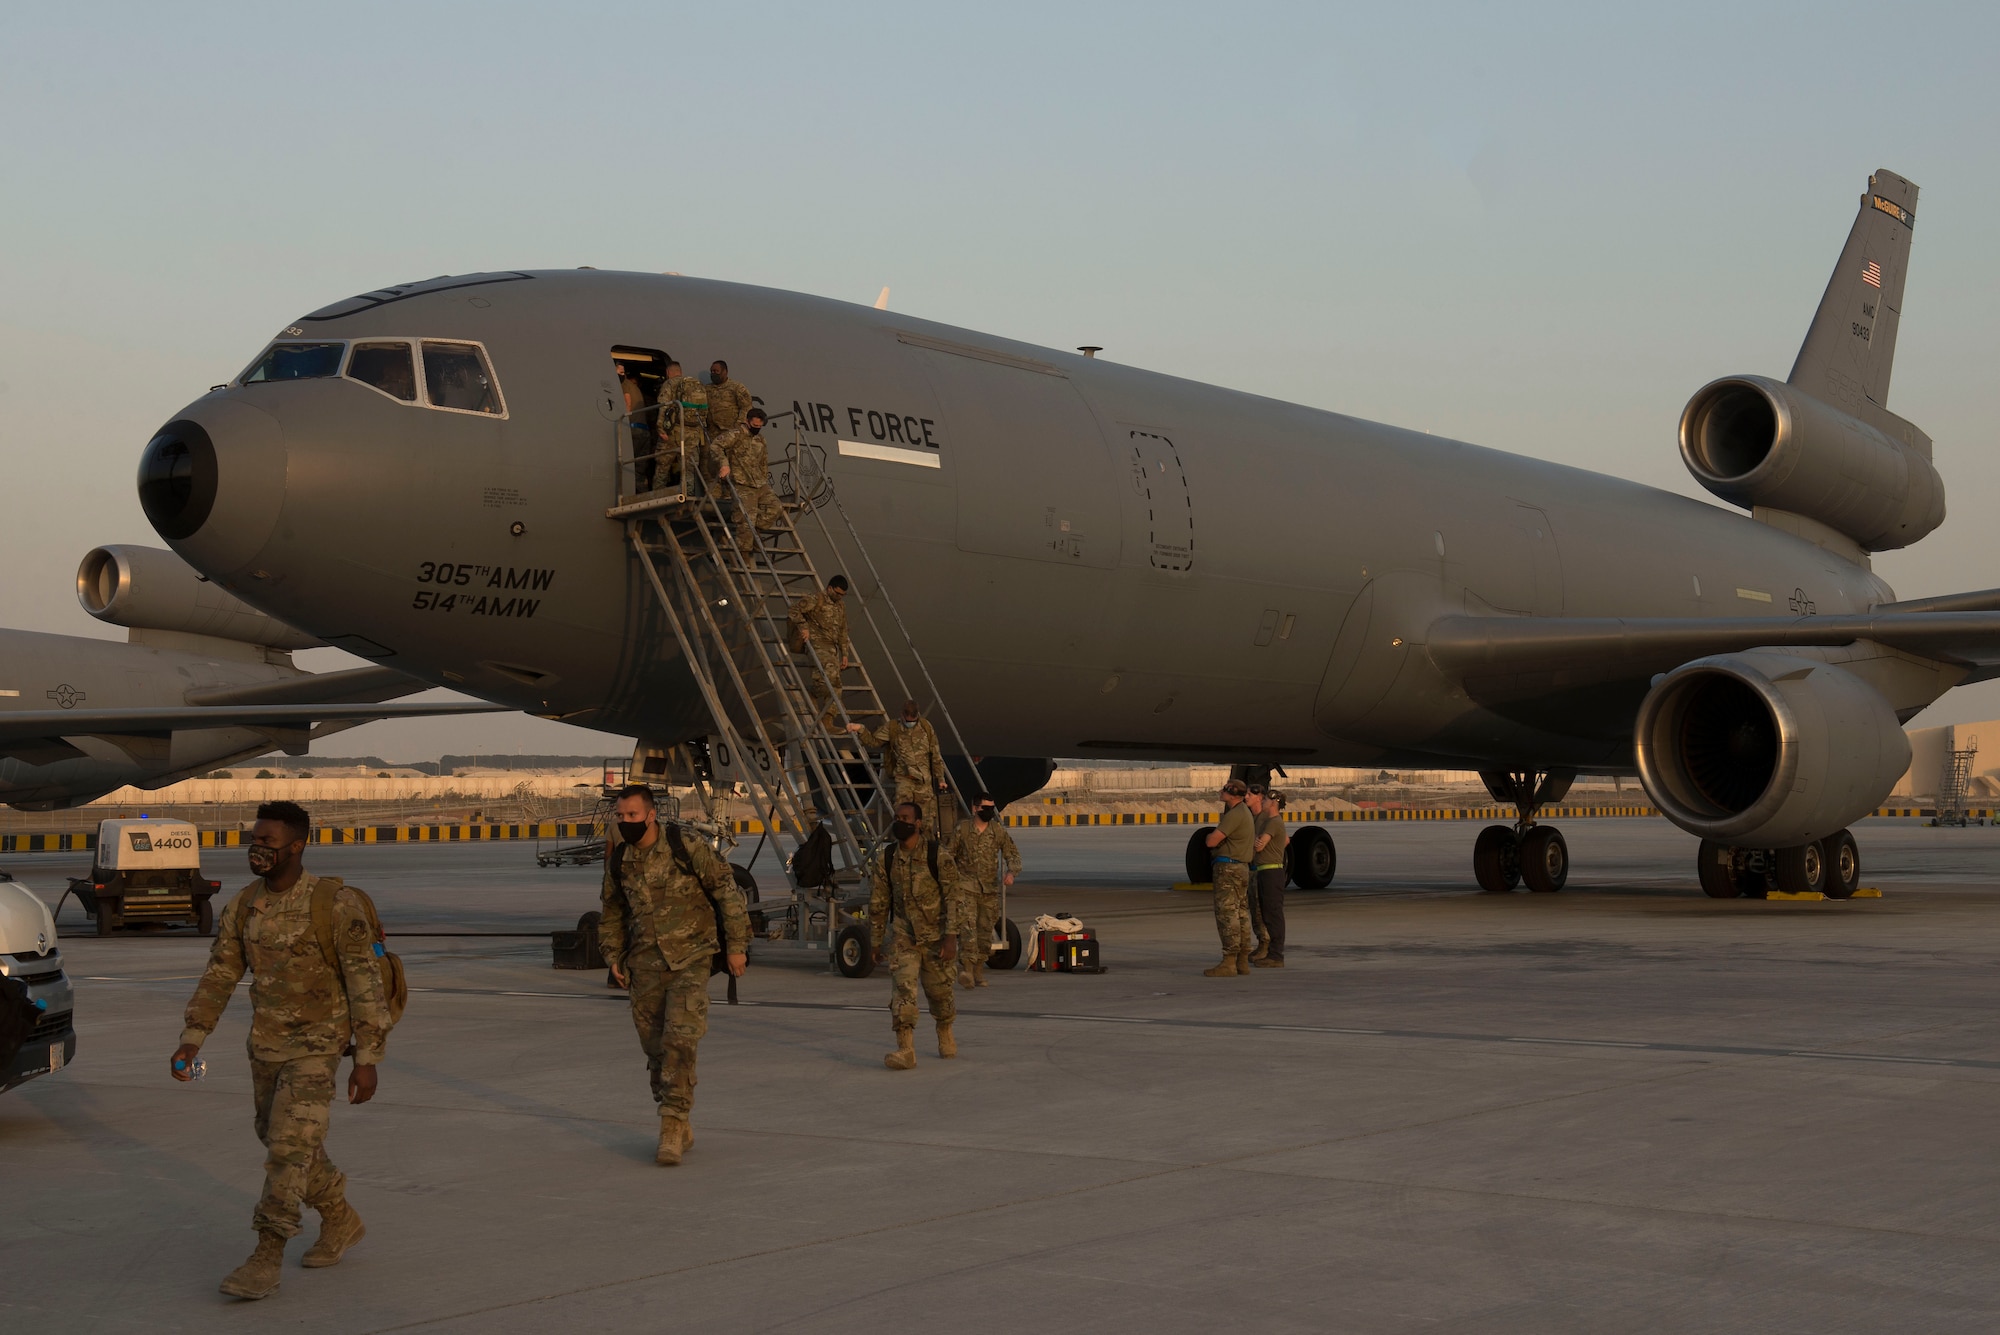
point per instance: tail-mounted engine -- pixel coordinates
(1762, 443)
(1767, 750)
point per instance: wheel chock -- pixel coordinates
(1779, 894)
(1866, 892)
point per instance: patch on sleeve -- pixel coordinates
(357, 930)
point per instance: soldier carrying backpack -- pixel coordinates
(671, 906)
(322, 986)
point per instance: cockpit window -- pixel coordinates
(456, 376)
(387, 367)
(296, 361)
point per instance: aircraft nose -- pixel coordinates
(212, 481)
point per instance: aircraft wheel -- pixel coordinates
(748, 885)
(1496, 859)
(107, 915)
(1310, 858)
(1198, 870)
(1802, 870)
(1545, 859)
(1843, 865)
(1714, 864)
(1010, 954)
(854, 952)
(204, 917)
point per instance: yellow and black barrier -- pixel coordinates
(85, 840)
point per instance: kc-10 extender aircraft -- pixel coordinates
(202, 681)
(1102, 561)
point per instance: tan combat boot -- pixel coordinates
(947, 1045)
(965, 978)
(1226, 969)
(905, 1055)
(339, 1229)
(1268, 962)
(1243, 962)
(979, 975)
(1263, 949)
(673, 1141)
(258, 1276)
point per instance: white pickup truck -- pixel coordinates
(147, 871)
(36, 1035)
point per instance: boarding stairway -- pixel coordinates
(729, 611)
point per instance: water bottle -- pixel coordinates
(195, 1069)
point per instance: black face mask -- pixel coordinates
(901, 831)
(263, 860)
(717, 377)
(631, 831)
(756, 428)
(985, 813)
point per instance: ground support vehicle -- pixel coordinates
(147, 871)
(37, 1035)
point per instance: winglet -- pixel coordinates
(1851, 346)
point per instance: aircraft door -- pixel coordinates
(1160, 507)
(1034, 478)
(1538, 536)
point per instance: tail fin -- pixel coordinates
(1851, 346)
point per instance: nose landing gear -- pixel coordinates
(1505, 855)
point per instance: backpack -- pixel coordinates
(395, 983)
(676, 844)
(812, 865)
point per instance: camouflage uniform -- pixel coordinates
(727, 402)
(683, 424)
(660, 933)
(304, 1011)
(978, 854)
(757, 506)
(823, 618)
(912, 904)
(910, 757)
(1231, 879)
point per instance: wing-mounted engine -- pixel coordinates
(1823, 444)
(1767, 749)
(144, 588)
(1762, 444)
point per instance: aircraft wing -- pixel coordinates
(30, 724)
(364, 684)
(1585, 649)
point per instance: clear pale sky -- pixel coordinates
(1537, 226)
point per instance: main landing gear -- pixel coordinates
(1506, 855)
(1829, 866)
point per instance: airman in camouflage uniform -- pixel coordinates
(657, 932)
(1231, 845)
(305, 1012)
(818, 627)
(978, 848)
(910, 757)
(728, 401)
(910, 904)
(739, 457)
(683, 421)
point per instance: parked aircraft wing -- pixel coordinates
(350, 685)
(28, 724)
(1600, 648)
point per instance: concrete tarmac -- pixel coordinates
(1622, 1108)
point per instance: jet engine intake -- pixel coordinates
(144, 588)
(1759, 442)
(1767, 750)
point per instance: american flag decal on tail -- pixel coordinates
(1872, 275)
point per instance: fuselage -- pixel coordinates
(65, 672)
(1093, 559)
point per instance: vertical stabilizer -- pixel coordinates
(1851, 346)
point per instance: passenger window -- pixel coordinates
(295, 361)
(456, 376)
(387, 367)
